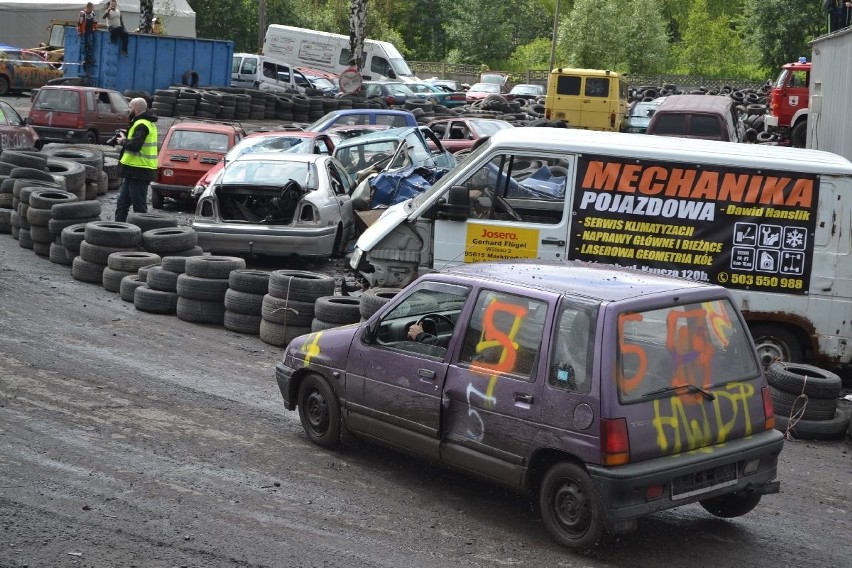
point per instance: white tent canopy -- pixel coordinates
(25, 23)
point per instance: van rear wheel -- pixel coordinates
(732, 505)
(570, 507)
(775, 344)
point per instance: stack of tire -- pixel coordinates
(242, 106)
(164, 102)
(373, 299)
(127, 288)
(127, 263)
(187, 102)
(287, 309)
(23, 206)
(40, 214)
(315, 108)
(148, 221)
(159, 293)
(244, 300)
(67, 227)
(209, 104)
(271, 99)
(101, 239)
(202, 287)
(334, 311)
(20, 177)
(6, 199)
(284, 107)
(301, 108)
(96, 181)
(70, 175)
(805, 401)
(258, 104)
(172, 241)
(227, 106)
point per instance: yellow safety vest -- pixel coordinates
(146, 157)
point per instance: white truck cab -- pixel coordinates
(770, 223)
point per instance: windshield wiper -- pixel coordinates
(691, 388)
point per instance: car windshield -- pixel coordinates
(664, 350)
(271, 143)
(641, 110)
(489, 127)
(199, 141)
(526, 90)
(269, 172)
(399, 89)
(485, 88)
(357, 157)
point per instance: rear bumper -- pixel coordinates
(51, 134)
(282, 240)
(622, 489)
(167, 190)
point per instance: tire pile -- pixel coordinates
(373, 299)
(201, 288)
(287, 309)
(100, 240)
(805, 401)
(334, 311)
(244, 300)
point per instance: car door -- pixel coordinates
(596, 111)
(516, 209)
(493, 393)
(394, 384)
(341, 187)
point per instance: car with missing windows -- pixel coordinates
(389, 117)
(69, 113)
(605, 394)
(277, 204)
(190, 149)
(461, 133)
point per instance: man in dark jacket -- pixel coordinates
(837, 13)
(138, 163)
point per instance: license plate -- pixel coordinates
(704, 481)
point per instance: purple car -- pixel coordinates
(606, 394)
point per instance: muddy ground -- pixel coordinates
(136, 440)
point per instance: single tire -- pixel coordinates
(72, 236)
(148, 221)
(374, 298)
(319, 411)
(199, 288)
(243, 302)
(57, 254)
(148, 299)
(280, 334)
(775, 343)
(320, 325)
(300, 285)
(338, 309)
(787, 404)
(40, 217)
(174, 263)
(814, 429)
(73, 173)
(732, 505)
(76, 210)
(249, 280)
(159, 278)
(242, 323)
(40, 233)
(570, 507)
(113, 234)
(128, 286)
(131, 261)
(168, 240)
(31, 174)
(189, 78)
(799, 135)
(111, 279)
(47, 198)
(99, 254)
(86, 271)
(287, 312)
(24, 238)
(24, 159)
(798, 378)
(200, 311)
(213, 266)
(41, 248)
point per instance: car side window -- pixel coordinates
(572, 350)
(504, 335)
(379, 65)
(119, 103)
(249, 66)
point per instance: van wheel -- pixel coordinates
(732, 505)
(799, 135)
(774, 344)
(570, 507)
(319, 412)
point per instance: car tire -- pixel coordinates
(111, 279)
(174, 263)
(319, 412)
(47, 198)
(814, 429)
(799, 134)
(86, 271)
(76, 210)
(24, 159)
(798, 378)
(213, 266)
(200, 288)
(200, 311)
(242, 323)
(132, 261)
(249, 280)
(338, 309)
(570, 507)
(284, 311)
(300, 285)
(732, 505)
(320, 325)
(147, 299)
(21, 172)
(113, 234)
(57, 254)
(72, 236)
(148, 221)
(787, 404)
(774, 343)
(99, 254)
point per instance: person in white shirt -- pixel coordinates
(115, 25)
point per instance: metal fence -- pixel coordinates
(470, 74)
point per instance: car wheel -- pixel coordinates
(775, 343)
(732, 505)
(90, 138)
(319, 412)
(570, 507)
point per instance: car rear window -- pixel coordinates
(670, 124)
(261, 172)
(702, 344)
(705, 126)
(59, 100)
(199, 141)
(568, 85)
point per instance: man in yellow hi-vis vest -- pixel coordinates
(138, 163)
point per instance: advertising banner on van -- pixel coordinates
(740, 228)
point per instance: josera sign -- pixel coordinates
(741, 228)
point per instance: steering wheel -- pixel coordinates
(502, 204)
(432, 319)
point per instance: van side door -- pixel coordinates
(514, 206)
(597, 103)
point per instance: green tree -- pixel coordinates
(780, 30)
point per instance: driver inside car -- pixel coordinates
(418, 334)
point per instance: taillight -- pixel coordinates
(612, 120)
(768, 410)
(547, 113)
(81, 122)
(615, 443)
(390, 100)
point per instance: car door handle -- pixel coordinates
(526, 398)
(552, 241)
(426, 374)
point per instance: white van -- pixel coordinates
(265, 73)
(330, 52)
(770, 223)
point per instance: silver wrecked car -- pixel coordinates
(277, 204)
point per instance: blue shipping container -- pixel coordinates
(152, 62)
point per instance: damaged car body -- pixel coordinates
(278, 204)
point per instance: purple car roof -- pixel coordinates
(595, 281)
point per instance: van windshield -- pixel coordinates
(673, 349)
(401, 67)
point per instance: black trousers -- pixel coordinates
(120, 33)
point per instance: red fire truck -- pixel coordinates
(788, 107)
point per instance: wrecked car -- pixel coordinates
(277, 204)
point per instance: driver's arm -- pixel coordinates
(416, 333)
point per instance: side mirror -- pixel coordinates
(391, 74)
(457, 207)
